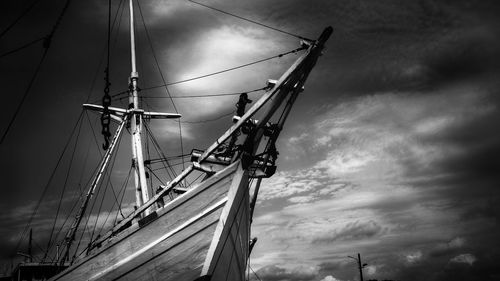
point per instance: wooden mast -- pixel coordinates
(134, 115)
(141, 188)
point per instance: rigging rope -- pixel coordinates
(162, 78)
(22, 47)
(209, 120)
(95, 170)
(197, 178)
(213, 73)
(160, 152)
(109, 213)
(80, 195)
(228, 69)
(63, 189)
(18, 109)
(94, 201)
(255, 273)
(108, 169)
(100, 154)
(163, 168)
(252, 21)
(96, 196)
(148, 150)
(124, 186)
(60, 229)
(105, 47)
(46, 45)
(204, 96)
(152, 172)
(25, 12)
(152, 161)
(26, 228)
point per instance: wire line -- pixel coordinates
(46, 45)
(26, 92)
(44, 192)
(209, 120)
(22, 47)
(205, 96)
(19, 18)
(228, 69)
(213, 73)
(63, 189)
(252, 21)
(162, 78)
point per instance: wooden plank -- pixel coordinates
(136, 262)
(227, 256)
(230, 169)
(133, 239)
(148, 204)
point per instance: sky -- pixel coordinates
(391, 151)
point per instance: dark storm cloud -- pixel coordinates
(470, 176)
(14, 221)
(459, 267)
(478, 166)
(448, 249)
(466, 57)
(436, 43)
(352, 231)
(480, 138)
(330, 266)
(276, 273)
(405, 48)
(484, 210)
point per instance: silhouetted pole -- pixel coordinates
(360, 267)
(29, 246)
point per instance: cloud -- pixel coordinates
(352, 231)
(277, 273)
(464, 258)
(44, 223)
(285, 184)
(448, 248)
(330, 278)
(414, 257)
(399, 163)
(371, 270)
(217, 49)
(382, 181)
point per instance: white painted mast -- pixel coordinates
(141, 188)
(134, 115)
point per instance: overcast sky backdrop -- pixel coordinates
(392, 151)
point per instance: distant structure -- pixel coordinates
(360, 267)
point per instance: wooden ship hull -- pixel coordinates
(202, 234)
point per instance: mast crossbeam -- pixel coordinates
(121, 112)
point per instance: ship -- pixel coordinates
(200, 232)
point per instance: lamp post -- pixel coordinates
(359, 265)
